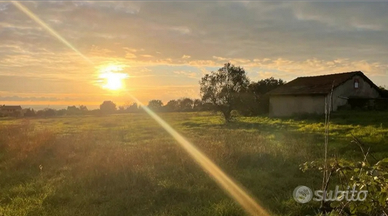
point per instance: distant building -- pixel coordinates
(308, 94)
(11, 111)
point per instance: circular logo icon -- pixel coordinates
(302, 194)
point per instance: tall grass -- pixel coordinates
(127, 165)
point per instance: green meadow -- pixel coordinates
(126, 164)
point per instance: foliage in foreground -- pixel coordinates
(362, 176)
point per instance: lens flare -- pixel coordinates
(113, 81)
(112, 78)
(49, 29)
(225, 182)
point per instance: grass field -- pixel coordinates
(126, 164)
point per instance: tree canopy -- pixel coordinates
(155, 105)
(108, 107)
(222, 88)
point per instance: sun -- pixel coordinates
(112, 78)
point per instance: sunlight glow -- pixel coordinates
(114, 80)
(111, 77)
(224, 181)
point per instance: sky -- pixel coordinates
(164, 48)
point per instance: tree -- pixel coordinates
(254, 99)
(155, 105)
(186, 104)
(72, 110)
(121, 109)
(197, 105)
(29, 112)
(133, 108)
(172, 106)
(61, 112)
(108, 107)
(83, 108)
(47, 112)
(222, 88)
(383, 91)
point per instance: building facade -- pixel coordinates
(310, 95)
(15, 111)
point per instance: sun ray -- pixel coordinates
(111, 77)
(113, 81)
(49, 29)
(224, 181)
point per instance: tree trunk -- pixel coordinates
(227, 115)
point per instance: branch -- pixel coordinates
(361, 145)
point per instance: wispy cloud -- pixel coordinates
(175, 43)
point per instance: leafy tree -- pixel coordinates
(155, 105)
(40, 113)
(121, 108)
(29, 112)
(61, 112)
(383, 91)
(96, 112)
(180, 105)
(172, 106)
(108, 107)
(72, 110)
(133, 108)
(265, 85)
(197, 105)
(47, 112)
(222, 88)
(254, 99)
(186, 104)
(83, 108)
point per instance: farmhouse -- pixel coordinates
(10, 110)
(307, 95)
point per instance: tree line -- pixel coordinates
(109, 107)
(224, 90)
(229, 89)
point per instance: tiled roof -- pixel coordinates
(316, 85)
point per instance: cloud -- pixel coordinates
(147, 56)
(188, 74)
(345, 16)
(253, 30)
(18, 98)
(282, 39)
(181, 29)
(129, 55)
